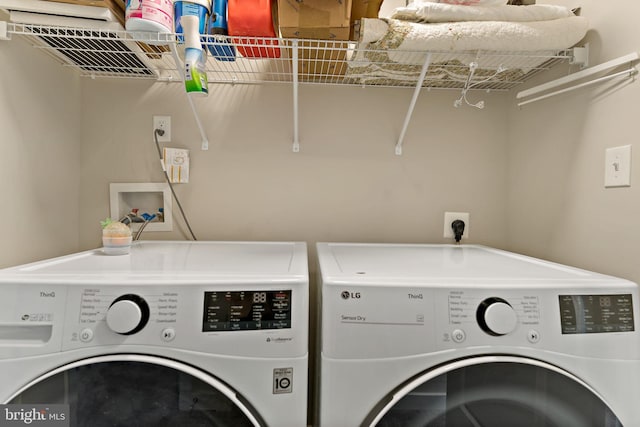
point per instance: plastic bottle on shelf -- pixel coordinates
(198, 8)
(195, 58)
(219, 45)
(149, 15)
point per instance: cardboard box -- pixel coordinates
(117, 7)
(317, 20)
(362, 9)
(314, 19)
(319, 61)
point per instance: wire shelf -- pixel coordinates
(253, 60)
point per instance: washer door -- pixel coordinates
(137, 390)
(495, 391)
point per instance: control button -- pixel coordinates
(496, 316)
(533, 336)
(168, 334)
(127, 314)
(86, 335)
(458, 335)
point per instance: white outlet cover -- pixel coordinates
(449, 217)
(163, 122)
(617, 163)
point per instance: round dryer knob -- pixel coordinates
(127, 314)
(496, 316)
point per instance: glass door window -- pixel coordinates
(496, 394)
(149, 392)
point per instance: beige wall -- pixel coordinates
(557, 206)
(531, 177)
(39, 165)
(345, 184)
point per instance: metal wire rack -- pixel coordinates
(251, 60)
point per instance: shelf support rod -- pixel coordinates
(579, 75)
(294, 60)
(180, 68)
(412, 105)
(628, 73)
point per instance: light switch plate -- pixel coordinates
(617, 164)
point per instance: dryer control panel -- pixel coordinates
(590, 314)
(393, 321)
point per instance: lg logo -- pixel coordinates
(347, 295)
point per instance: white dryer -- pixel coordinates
(172, 334)
(448, 335)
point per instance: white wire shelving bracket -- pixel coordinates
(110, 53)
(608, 66)
(296, 129)
(412, 104)
(4, 31)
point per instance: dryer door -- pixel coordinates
(137, 390)
(496, 391)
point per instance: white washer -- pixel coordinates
(448, 335)
(172, 334)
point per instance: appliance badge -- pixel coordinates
(279, 340)
(348, 295)
(51, 294)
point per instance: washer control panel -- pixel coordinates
(126, 313)
(246, 310)
(229, 319)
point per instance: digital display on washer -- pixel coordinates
(246, 310)
(589, 314)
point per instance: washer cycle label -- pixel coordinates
(282, 380)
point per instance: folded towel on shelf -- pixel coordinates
(422, 11)
(393, 51)
(473, 35)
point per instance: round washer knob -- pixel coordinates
(496, 316)
(127, 314)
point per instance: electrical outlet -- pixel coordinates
(449, 217)
(162, 123)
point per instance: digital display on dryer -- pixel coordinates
(589, 314)
(246, 310)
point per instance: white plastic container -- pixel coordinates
(116, 237)
(199, 8)
(116, 245)
(149, 15)
(195, 58)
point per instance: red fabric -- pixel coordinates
(252, 18)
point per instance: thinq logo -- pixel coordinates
(34, 415)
